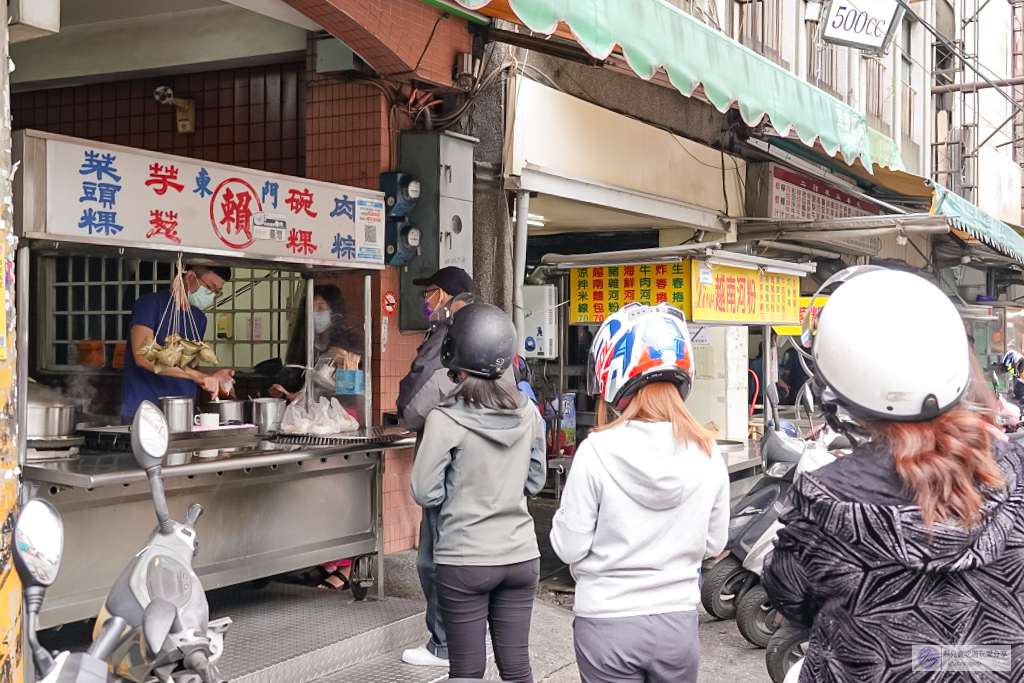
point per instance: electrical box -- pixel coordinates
(540, 320)
(443, 164)
(30, 19)
(401, 236)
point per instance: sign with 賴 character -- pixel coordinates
(741, 295)
(135, 198)
(596, 293)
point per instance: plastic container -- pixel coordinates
(348, 382)
(90, 353)
(119, 350)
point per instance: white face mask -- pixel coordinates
(202, 298)
(321, 321)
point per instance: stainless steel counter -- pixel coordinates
(111, 469)
(267, 510)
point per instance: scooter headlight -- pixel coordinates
(779, 470)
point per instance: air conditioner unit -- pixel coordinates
(540, 316)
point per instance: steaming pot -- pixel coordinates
(50, 415)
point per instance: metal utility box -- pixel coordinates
(443, 163)
(540, 318)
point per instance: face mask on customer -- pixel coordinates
(202, 298)
(321, 321)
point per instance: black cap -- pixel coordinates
(451, 279)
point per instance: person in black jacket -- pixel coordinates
(419, 392)
(907, 554)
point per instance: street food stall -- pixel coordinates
(100, 225)
(721, 293)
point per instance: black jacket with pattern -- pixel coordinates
(856, 563)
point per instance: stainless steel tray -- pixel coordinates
(118, 438)
(381, 435)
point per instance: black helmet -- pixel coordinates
(481, 341)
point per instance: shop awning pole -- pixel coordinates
(519, 263)
(309, 343)
(21, 308)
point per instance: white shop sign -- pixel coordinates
(867, 25)
(130, 197)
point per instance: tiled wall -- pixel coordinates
(348, 142)
(253, 117)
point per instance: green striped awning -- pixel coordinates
(967, 217)
(653, 34)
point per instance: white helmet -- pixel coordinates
(888, 345)
(638, 345)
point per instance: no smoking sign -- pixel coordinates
(390, 303)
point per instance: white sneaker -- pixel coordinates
(421, 656)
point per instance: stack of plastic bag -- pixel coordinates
(324, 418)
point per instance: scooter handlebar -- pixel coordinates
(107, 640)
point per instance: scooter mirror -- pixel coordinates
(149, 436)
(38, 543)
(772, 392)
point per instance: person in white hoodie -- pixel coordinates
(646, 501)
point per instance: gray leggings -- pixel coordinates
(469, 597)
(655, 648)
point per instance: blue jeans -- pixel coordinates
(438, 644)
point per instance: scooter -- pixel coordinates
(168, 634)
(727, 581)
(756, 619)
(38, 546)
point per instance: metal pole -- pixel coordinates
(519, 263)
(310, 350)
(563, 348)
(21, 322)
(10, 482)
(368, 351)
(977, 85)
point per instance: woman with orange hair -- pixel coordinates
(646, 501)
(904, 558)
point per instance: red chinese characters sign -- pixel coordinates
(599, 292)
(136, 198)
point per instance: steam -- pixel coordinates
(81, 391)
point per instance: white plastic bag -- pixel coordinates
(324, 419)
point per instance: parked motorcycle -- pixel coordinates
(727, 581)
(785, 653)
(168, 634)
(756, 619)
(38, 546)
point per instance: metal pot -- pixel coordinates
(49, 414)
(231, 412)
(178, 411)
(267, 414)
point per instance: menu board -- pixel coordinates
(728, 294)
(704, 293)
(799, 197)
(596, 293)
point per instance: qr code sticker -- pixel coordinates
(370, 233)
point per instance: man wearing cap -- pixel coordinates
(427, 383)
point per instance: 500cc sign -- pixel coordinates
(867, 25)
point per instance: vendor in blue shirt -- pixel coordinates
(140, 382)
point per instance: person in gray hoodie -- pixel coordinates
(482, 452)
(646, 501)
